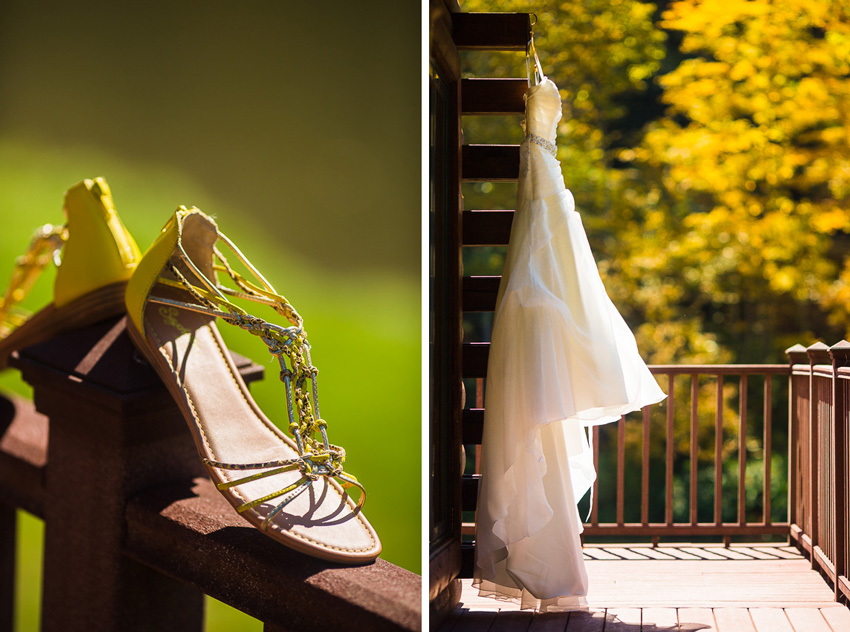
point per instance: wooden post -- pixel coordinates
(114, 431)
(8, 523)
(840, 353)
(445, 533)
(818, 354)
(796, 355)
(8, 535)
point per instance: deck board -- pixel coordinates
(728, 554)
(626, 553)
(592, 553)
(693, 619)
(760, 553)
(745, 588)
(474, 620)
(660, 620)
(771, 620)
(837, 618)
(807, 620)
(514, 621)
(586, 622)
(624, 619)
(737, 619)
(704, 553)
(548, 622)
(788, 553)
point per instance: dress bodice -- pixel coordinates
(543, 110)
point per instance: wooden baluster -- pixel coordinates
(718, 449)
(694, 444)
(840, 360)
(797, 428)
(621, 461)
(668, 504)
(594, 511)
(644, 481)
(479, 403)
(768, 437)
(742, 450)
(816, 354)
(844, 532)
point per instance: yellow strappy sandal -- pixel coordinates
(95, 257)
(292, 490)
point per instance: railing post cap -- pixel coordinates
(797, 354)
(840, 352)
(818, 353)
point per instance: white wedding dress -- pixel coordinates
(561, 359)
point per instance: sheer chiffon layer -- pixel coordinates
(561, 359)
(521, 569)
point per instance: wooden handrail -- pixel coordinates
(135, 533)
(819, 457)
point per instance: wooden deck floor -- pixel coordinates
(682, 588)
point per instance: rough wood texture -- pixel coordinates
(23, 455)
(121, 434)
(132, 533)
(190, 531)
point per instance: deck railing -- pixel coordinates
(701, 464)
(706, 420)
(716, 436)
(819, 457)
(715, 433)
(713, 415)
(135, 533)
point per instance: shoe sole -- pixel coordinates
(51, 321)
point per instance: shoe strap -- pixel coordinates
(316, 456)
(45, 246)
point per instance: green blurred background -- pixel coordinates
(297, 125)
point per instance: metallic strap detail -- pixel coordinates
(45, 247)
(316, 456)
(548, 145)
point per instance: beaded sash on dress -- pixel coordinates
(548, 145)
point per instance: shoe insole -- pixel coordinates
(228, 426)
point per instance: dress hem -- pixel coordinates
(526, 601)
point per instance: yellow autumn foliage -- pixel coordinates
(708, 147)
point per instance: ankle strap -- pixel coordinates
(45, 246)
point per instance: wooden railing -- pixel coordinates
(715, 429)
(135, 534)
(726, 388)
(705, 404)
(819, 455)
(818, 449)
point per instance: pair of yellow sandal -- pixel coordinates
(292, 489)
